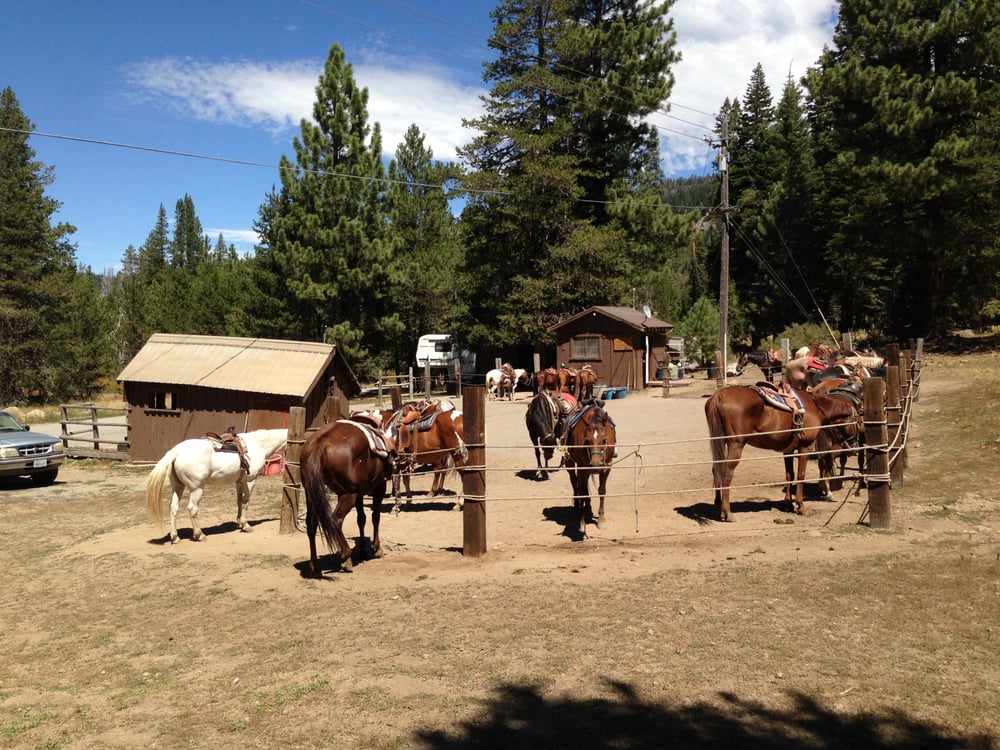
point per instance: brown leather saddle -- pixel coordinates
(231, 442)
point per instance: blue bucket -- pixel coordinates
(621, 391)
(609, 393)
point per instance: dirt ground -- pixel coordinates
(664, 628)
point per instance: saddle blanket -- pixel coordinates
(376, 439)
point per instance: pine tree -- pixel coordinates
(561, 137)
(38, 296)
(898, 108)
(324, 229)
(427, 262)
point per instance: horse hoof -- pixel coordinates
(198, 536)
(174, 539)
(246, 528)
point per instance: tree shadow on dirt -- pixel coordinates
(520, 716)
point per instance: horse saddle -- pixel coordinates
(378, 442)
(849, 389)
(782, 397)
(583, 409)
(230, 442)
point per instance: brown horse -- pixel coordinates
(739, 415)
(836, 444)
(547, 380)
(586, 379)
(589, 442)
(567, 380)
(353, 460)
(428, 433)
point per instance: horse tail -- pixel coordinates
(154, 486)
(717, 433)
(314, 485)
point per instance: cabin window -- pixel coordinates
(162, 400)
(585, 347)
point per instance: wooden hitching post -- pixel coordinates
(893, 417)
(877, 460)
(474, 478)
(293, 475)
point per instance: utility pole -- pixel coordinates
(724, 210)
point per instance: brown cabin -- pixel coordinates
(625, 347)
(179, 386)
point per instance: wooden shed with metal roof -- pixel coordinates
(179, 386)
(625, 347)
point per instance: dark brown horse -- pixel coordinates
(769, 362)
(546, 421)
(353, 460)
(840, 441)
(589, 442)
(739, 415)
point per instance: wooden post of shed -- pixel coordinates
(474, 477)
(877, 458)
(427, 380)
(293, 475)
(894, 432)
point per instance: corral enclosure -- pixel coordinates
(665, 629)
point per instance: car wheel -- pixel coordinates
(45, 477)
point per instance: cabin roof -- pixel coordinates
(274, 366)
(633, 318)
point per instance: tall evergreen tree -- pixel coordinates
(562, 136)
(426, 267)
(326, 247)
(899, 104)
(40, 341)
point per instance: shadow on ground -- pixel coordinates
(519, 716)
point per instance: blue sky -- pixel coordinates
(230, 81)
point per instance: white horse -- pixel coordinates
(194, 463)
(498, 384)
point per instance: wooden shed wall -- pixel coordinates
(152, 432)
(622, 351)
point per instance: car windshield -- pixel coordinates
(9, 424)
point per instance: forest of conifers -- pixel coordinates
(864, 196)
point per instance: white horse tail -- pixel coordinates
(154, 486)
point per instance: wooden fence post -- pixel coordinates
(877, 459)
(474, 478)
(894, 418)
(293, 474)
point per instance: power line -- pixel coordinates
(330, 173)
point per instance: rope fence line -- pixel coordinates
(892, 449)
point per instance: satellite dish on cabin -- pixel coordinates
(645, 311)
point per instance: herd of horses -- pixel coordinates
(363, 453)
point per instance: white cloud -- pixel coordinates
(721, 42)
(276, 96)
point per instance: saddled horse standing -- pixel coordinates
(589, 442)
(740, 415)
(428, 433)
(586, 379)
(546, 420)
(547, 380)
(353, 459)
(768, 361)
(194, 463)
